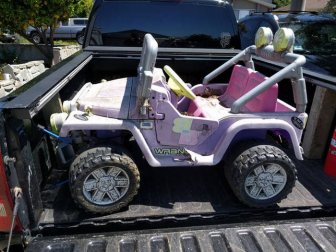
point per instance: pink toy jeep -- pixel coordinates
(241, 122)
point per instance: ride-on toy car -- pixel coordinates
(241, 122)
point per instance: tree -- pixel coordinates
(42, 15)
(83, 8)
(280, 3)
(331, 6)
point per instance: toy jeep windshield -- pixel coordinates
(242, 123)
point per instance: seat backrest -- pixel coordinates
(266, 101)
(146, 66)
(236, 86)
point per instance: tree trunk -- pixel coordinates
(46, 50)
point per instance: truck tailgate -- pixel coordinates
(312, 235)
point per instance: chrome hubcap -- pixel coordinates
(265, 181)
(106, 185)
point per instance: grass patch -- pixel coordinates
(65, 42)
(22, 40)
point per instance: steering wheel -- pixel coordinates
(178, 85)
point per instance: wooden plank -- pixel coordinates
(316, 137)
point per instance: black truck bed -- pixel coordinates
(190, 195)
(206, 216)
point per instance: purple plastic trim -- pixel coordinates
(103, 123)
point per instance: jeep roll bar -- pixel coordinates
(145, 70)
(293, 71)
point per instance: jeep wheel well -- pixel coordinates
(96, 137)
(278, 137)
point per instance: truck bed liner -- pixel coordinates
(188, 193)
(312, 235)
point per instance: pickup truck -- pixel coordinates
(7, 37)
(69, 29)
(177, 208)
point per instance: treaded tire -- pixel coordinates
(96, 159)
(242, 168)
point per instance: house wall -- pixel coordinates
(244, 7)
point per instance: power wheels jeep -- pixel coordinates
(175, 125)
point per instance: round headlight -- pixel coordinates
(264, 37)
(69, 106)
(57, 120)
(284, 40)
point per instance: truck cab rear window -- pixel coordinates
(205, 26)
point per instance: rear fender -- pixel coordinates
(257, 128)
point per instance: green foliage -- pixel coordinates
(83, 8)
(280, 3)
(17, 15)
(331, 6)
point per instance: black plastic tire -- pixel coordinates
(107, 162)
(251, 171)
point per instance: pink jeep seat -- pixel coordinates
(195, 107)
(266, 101)
(236, 86)
(242, 81)
(211, 108)
(207, 107)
